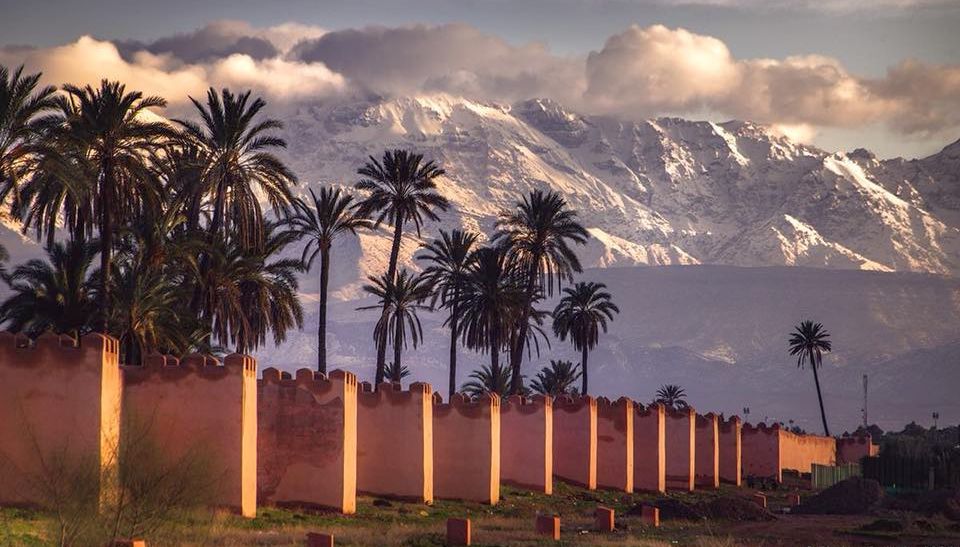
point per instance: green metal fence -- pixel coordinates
(825, 476)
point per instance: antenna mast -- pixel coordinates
(865, 423)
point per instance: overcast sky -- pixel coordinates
(884, 74)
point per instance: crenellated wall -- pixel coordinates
(851, 449)
(395, 441)
(730, 450)
(798, 452)
(466, 448)
(681, 448)
(760, 447)
(707, 466)
(307, 440)
(649, 448)
(767, 451)
(526, 442)
(615, 444)
(198, 405)
(60, 404)
(575, 440)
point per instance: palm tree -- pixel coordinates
(401, 300)
(490, 304)
(21, 107)
(486, 381)
(321, 222)
(402, 188)
(557, 379)
(103, 153)
(395, 373)
(239, 167)
(582, 312)
(56, 294)
(450, 257)
(672, 396)
(537, 235)
(808, 342)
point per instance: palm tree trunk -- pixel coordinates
(397, 348)
(322, 319)
(516, 352)
(494, 358)
(106, 245)
(391, 276)
(453, 347)
(584, 371)
(816, 380)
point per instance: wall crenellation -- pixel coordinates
(49, 348)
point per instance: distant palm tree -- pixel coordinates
(808, 342)
(395, 373)
(57, 294)
(557, 379)
(490, 304)
(486, 381)
(321, 222)
(672, 396)
(450, 257)
(239, 166)
(537, 235)
(583, 311)
(102, 155)
(401, 188)
(400, 300)
(22, 104)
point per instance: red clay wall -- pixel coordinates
(615, 444)
(649, 448)
(466, 449)
(575, 440)
(526, 442)
(307, 440)
(760, 454)
(395, 441)
(730, 451)
(852, 449)
(797, 452)
(707, 467)
(198, 405)
(56, 401)
(681, 448)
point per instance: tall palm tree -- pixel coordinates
(808, 342)
(538, 234)
(490, 304)
(22, 104)
(583, 311)
(104, 153)
(239, 166)
(329, 216)
(396, 374)
(557, 379)
(450, 257)
(485, 380)
(672, 396)
(54, 294)
(401, 299)
(401, 188)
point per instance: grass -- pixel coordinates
(390, 523)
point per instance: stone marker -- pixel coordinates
(760, 500)
(604, 519)
(794, 500)
(458, 531)
(548, 526)
(130, 543)
(650, 516)
(319, 540)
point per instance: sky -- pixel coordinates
(842, 74)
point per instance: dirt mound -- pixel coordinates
(854, 496)
(674, 509)
(735, 508)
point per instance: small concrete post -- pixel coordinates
(760, 500)
(458, 531)
(130, 543)
(650, 516)
(548, 525)
(604, 519)
(794, 500)
(319, 540)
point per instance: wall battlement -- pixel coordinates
(852, 448)
(17, 350)
(466, 448)
(707, 461)
(681, 448)
(575, 440)
(526, 442)
(649, 448)
(615, 443)
(731, 450)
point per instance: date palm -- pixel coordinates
(490, 304)
(808, 342)
(485, 380)
(22, 104)
(237, 152)
(55, 294)
(321, 221)
(450, 257)
(401, 188)
(557, 379)
(537, 235)
(396, 374)
(672, 396)
(400, 300)
(583, 311)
